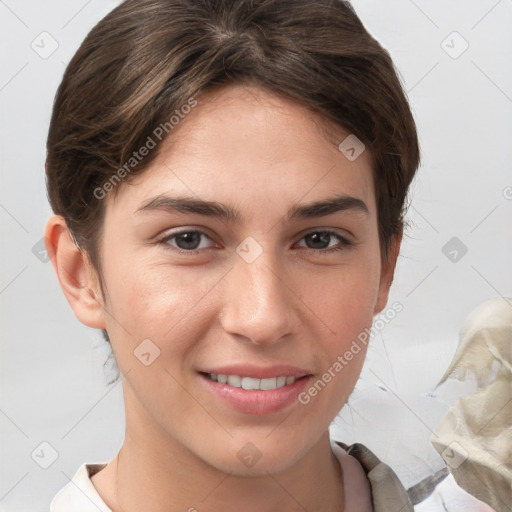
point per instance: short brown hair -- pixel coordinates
(147, 58)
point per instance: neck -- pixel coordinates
(154, 473)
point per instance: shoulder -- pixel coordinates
(356, 487)
(387, 491)
(79, 494)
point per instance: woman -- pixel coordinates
(228, 181)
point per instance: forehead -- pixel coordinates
(247, 142)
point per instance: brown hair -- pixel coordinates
(146, 59)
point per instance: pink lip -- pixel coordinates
(252, 401)
(258, 372)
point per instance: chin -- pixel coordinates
(256, 458)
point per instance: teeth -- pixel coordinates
(233, 380)
(252, 383)
(268, 383)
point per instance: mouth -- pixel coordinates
(256, 392)
(252, 383)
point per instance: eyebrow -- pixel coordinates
(314, 209)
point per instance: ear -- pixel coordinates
(388, 272)
(77, 277)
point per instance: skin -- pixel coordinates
(291, 306)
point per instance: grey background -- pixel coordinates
(52, 378)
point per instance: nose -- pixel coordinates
(258, 301)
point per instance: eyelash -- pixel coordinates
(323, 252)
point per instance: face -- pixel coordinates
(257, 285)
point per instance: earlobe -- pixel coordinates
(76, 276)
(388, 272)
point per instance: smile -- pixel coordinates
(252, 395)
(251, 383)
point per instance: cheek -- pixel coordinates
(344, 303)
(344, 298)
(344, 306)
(159, 303)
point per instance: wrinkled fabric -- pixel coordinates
(475, 436)
(389, 495)
(448, 496)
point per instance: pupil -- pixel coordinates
(322, 238)
(190, 240)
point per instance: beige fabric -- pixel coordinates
(357, 491)
(389, 495)
(475, 436)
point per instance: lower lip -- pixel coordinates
(253, 401)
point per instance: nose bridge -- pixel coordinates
(257, 302)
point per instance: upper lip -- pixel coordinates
(259, 372)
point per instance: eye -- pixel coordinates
(190, 242)
(320, 242)
(186, 242)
